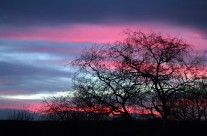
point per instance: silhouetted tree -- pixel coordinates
(104, 85)
(57, 108)
(63, 108)
(23, 115)
(147, 70)
(192, 104)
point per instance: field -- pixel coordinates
(100, 128)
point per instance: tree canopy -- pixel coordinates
(152, 74)
(144, 70)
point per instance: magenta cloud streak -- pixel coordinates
(98, 34)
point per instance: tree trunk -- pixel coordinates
(163, 126)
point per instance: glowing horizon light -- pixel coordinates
(39, 96)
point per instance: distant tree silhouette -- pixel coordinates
(23, 115)
(148, 70)
(57, 108)
(192, 104)
(62, 108)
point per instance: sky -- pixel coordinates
(38, 38)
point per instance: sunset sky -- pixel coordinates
(38, 38)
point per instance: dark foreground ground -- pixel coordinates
(100, 128)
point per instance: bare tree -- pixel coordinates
(192, 105)
(202, 87)
(148, 70)
(57, 108)
(104, 85)
(64, 108)
(164, 64)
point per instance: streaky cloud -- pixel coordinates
(27, 13)
(34, 67)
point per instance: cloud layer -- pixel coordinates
(32, 67)
(38, 38)
(55, 12)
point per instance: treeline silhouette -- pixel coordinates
(100, 128)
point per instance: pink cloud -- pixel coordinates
(102, 33)
(76, 33)
(4, 81)
(32, 105)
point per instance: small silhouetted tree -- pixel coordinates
(192, 104)
(203, 99)
(64, 108)
(57, 108)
